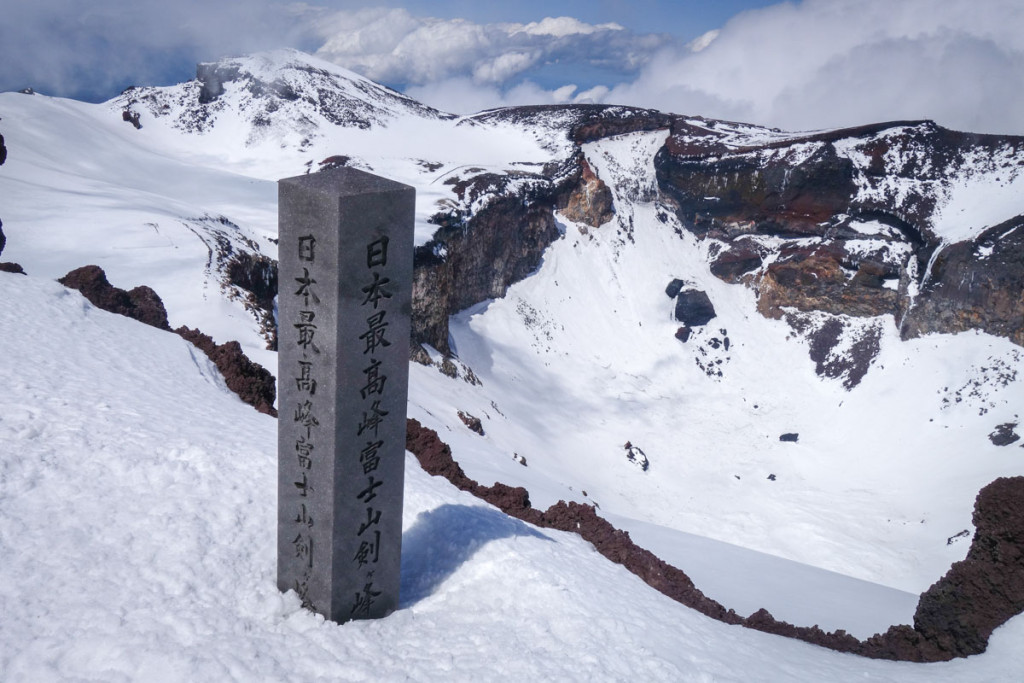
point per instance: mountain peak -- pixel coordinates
(275, 94)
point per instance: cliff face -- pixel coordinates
(977, 284)
(872, 221)
(500, 226)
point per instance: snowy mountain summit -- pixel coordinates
(785, 363)
(284, 96)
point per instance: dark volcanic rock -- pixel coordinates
(140, 303)
(674, 287)
(792, 437)
(3, 158)
(738, 191)
(256, 274)
(9, 267)
(977, 284)
(736, 260)
(472, 422)
(1004, 434)
(862, 343)
(694, 308)
(960, 611)
(475, 258)
(812, 278)
(251, 381)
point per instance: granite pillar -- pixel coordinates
(344, 308)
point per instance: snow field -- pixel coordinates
(137, 531)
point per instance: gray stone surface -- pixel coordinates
(344, 307)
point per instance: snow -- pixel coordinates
(137, 504)
(137, 526)
(990, 192)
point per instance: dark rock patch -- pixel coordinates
(683, 334)
(1004, 434)
(674, 287)
(962, 609)
(791, 437)
(737, 260)
(336, 161)
(131, 117)
(140, 303)
(251, 381)
(826, 346)
(957, 536)
(10, 267)
(472, 422)
(694, 308)
(636, 456)
(256, 275)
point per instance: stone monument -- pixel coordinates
(344, 308)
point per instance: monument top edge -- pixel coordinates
(345, 181)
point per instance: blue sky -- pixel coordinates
(93, 50)
(797, 65)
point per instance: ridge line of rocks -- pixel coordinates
(253, 383)
(954, 618)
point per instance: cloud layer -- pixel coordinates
(393, 46)
(805, 65)
(826, 63)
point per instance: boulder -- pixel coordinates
(694, 308)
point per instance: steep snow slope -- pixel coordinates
(137, 533)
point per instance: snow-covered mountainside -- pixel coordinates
(786, 363)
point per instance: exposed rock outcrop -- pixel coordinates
(472, 258)
(256, 274)
(590, 202)
(1004, 434)
(851, 222)
(694, 308)
(140, 303)
(960, 611)
(251, 381)
(978, 284)
(3, 158)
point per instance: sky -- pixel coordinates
(795, 65)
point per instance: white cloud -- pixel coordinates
(393, 46)
(827, 63)
(561, 27)
(465, 96)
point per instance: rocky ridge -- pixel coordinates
(857, 223)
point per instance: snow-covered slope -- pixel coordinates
(581, 358)
(841, 527)
(137, 530)
(169, 204)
